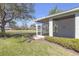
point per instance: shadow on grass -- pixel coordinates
(26, 36)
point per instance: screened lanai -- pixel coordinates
(42, 28)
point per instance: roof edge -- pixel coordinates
(54, 15)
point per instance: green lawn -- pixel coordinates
(18, 47)
(20, 31)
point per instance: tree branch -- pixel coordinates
(3, 19)
(4, 15)
(10, 18)
(0, 26)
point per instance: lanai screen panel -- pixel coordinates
(45, 28)
(64, 27)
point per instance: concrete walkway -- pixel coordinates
(60, 47)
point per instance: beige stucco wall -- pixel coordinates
(65, 27)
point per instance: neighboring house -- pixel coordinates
(64, 24)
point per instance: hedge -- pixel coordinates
(65, 42)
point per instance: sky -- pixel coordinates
(42, 9)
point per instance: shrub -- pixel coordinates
(65, 42)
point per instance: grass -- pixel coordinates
(65, 42)
(19, 46)
(20, 31)
(16, 47)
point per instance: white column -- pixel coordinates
(41, 29)
(50, 26)
(77, 26)
(36, 29)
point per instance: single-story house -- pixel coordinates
(64, 24)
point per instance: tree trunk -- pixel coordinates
(3, 23)
(3, 30)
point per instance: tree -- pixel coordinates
(33, 27)
(9, 12)
(12, 24)
(54, 11)
(24, 25)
